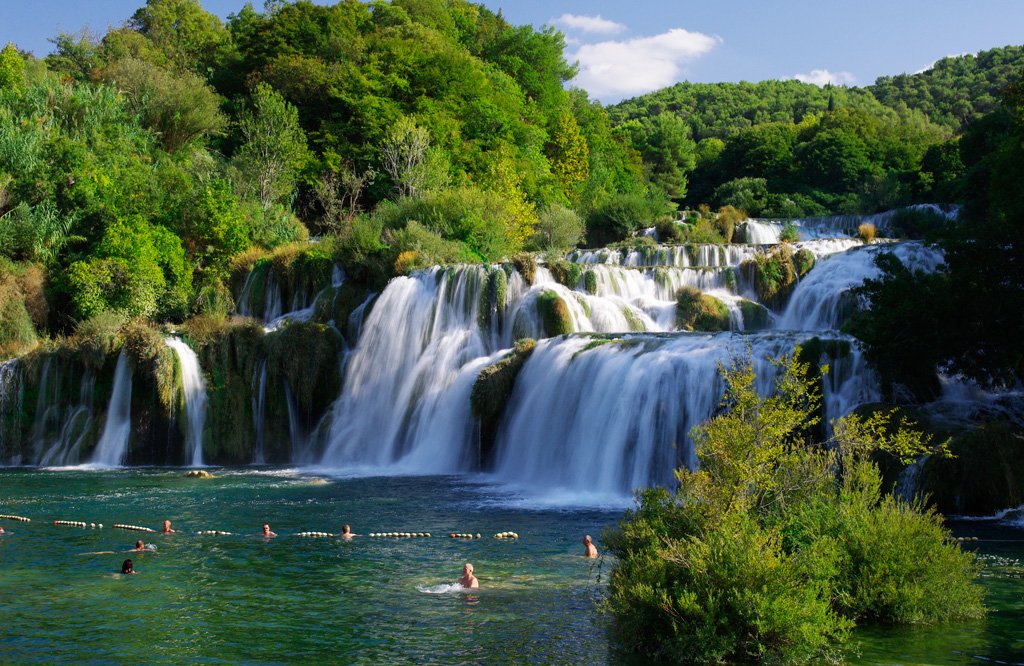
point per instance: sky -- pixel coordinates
(626, 49)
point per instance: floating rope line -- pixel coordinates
(22, 519)
(314, 534)
(213, 533)
(506, 535)
(400, 535)
(456, 535)
(71, 523)
(136, 528)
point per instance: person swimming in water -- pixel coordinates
(468, 580)
(346, 532)
(167, 528)
(267, 533)
(127, 567)
(140, 547)
(589, 549)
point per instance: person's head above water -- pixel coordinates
(345, 529)
(167, 527)
(127, 567)
(267, 531)
(139, 545)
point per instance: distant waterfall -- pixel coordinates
(194, 389)
(113, 445)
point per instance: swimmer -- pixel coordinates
(346, 532)
(2, 531)
(589, 549)
(266, 533)
(468, 580)
(139, 547)
(127, 567)
(167, 528)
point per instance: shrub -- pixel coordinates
(789, 233)
(803, 261)
(526, 265)
(775, 547)
(558, 228)
(17, 334)
(565, 272)
(697, 311)
(668, 231)
(866, 232)
(726, 221)
(620, 217)
(703, 232)
(772, 274)
(590, 282)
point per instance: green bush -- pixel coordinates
(789, 233)
(620, 217)
(803, 261)
(558, 229)
(590, 282)
(566, 273)
(774, 547)
(917, 223)
(526, 264)
(726, 221)
(772, 274)
(697, 311)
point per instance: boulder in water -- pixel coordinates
(199, 474)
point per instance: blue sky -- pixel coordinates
(628, 48)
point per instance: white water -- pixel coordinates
(259, 411)
(617, 416)
(299, 311)
(822, 299)
(113, 445)
(194, 389)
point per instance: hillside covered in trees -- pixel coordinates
(143, 171)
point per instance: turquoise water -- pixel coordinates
(240, 598)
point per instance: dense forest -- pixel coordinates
(140, 167)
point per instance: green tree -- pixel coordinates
(190, 37)
(273, 149)
(570, 155)
(12, 69)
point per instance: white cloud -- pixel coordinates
(820, 77)
(614, 69)
(591, 24)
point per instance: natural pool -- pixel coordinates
(240, 598)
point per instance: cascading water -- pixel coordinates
(194, 388)
(259, 412)
(112, 448)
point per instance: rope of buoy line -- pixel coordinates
(506, 535)
(399, 534)
(136, 528)
(21, 519)
(456, 535)
(214, 533)
(313, 534)
(71, 523)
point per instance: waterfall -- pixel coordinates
(300, 310)
(61, 426)
(194, 389)
(602, 417)
(113, 445)
(259, 411)
(822, 299)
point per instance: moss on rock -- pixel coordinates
(492, 297)
(697, 311)
(526, 265)
(755, 316)
(554, 314)
(566, 273)
(985, 474)
(772, 274)
(491, 392)
(803, 261)
(590, 282)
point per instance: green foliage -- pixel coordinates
(918, 223)
(526, 265)
(273, 149)
(756, 317)
(774, 548)
(726, 221)
(179, 107)
(138, 269)
(558, 228)
(789, 233)
(620, 217)
(570, 154)
(554, 314)
(590, 282)
(697, 311)
(216, 228)
(17, 333)
(566, 273)
(773, 275)
(35, 233)
(12, 69)
(803, 261)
